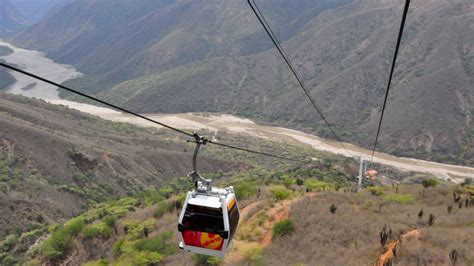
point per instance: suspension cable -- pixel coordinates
(276, 43)
(399, 39)
(146, 118)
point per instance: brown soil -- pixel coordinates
(275, 214)
(390, 247)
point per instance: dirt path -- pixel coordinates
(279, 212)
(275, 214)
(390, 248)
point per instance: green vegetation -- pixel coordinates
(245, 189)
(145, 251)
(399, 198)
(376, 191)
(57, 245)
(98, 229)
(101, 262)
(158, 244)
(429, 182)
(280, 192)
(318, 185)
(162, 208)
(283, 228)
(205, 260)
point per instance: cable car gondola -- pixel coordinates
(210, 215)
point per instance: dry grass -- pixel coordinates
(351, 235)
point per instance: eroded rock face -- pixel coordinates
(83, 160)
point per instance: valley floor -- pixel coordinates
(35, 61)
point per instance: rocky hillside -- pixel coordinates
(11, 21)
(179, 56)
(287, 217)
(54, 162)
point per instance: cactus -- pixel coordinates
(431, 220)
(450, 208)
(420, 214)
(456, 197)
(333, 208)
(453, 256)
(383, 236)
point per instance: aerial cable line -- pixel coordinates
(400, 34)
(194, 135)
(274, 39)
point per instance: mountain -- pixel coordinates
(182, 56)
(119, 40)
(34, 10)
(11, 21)
(54, 162)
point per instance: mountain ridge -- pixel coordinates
(342, 52)
(11, 21)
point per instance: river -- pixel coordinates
(37, 63)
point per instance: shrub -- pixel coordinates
(287, 182)
(163, 207)
(91, 232)
(57, 246)
(468, 181)
(98, 229)
(74, 226)
(245, 190)
(101, 262)
(118, 246)
(283, 228)
(9, 242)
(318, 185)
(280, 192)
(147, 258)
(376, 191)
(402, 199)
(9, 260)
(109, 220)
(205, 260)
(429, 182)
(158, 244)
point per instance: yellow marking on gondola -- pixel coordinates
(231, 204)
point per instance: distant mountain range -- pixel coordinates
(18, 15)
(186, 55)
(11, 21)
(35, 10)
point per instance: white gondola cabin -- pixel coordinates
(208, 221)
(210, 215)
